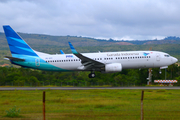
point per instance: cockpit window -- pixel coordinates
(166, 55)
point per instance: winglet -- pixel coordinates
(72, 48)
(62, 52)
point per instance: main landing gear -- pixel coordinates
(92, 74)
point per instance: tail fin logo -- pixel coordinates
(16, 44)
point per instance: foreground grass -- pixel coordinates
(92, 104)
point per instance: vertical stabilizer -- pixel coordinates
(16, 44)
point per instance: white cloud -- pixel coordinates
(122, 19)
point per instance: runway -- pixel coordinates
(83, 88)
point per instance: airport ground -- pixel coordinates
(97, 104)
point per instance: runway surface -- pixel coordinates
(82, 88)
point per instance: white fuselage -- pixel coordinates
(128, 59)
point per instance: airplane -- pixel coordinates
(105, 62)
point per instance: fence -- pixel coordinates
(64, 84)
(93, 104)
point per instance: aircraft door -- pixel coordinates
(158, 57)
(37, 62)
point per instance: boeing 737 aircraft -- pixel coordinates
(106, 62)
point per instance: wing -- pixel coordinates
(14, 58)
(87, 63)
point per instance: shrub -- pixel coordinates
(13, 112)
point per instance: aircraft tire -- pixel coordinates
(91, 75)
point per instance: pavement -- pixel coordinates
(84, 88)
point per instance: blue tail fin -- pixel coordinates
(16, 44)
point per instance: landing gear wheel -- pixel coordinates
(160, 71)
(91, 75)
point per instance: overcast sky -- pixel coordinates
(117, 19)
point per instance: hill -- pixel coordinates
(61, 41)
(37, 40)
(52, 44)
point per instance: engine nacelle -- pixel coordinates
(113, 67)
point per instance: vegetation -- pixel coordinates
(93, 104)
(28, 77)
(13, 112)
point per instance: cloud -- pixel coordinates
(122, 19)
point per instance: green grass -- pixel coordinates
(92, 104)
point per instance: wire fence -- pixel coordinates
(92, 104)
(64, 84)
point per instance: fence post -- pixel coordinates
(44, 105)
(142, 111)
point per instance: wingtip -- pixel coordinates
(72, 48)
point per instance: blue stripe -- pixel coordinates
(12, 42)
(16, 50)
(18, 40)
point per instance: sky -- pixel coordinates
(103, 19)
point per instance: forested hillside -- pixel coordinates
(52, 45)
(62, 41)
(128, 77)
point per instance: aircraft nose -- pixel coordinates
(174, 60)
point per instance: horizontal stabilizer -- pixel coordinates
(14, 58)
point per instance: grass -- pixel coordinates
(92, 104)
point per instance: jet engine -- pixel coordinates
(113, 67)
